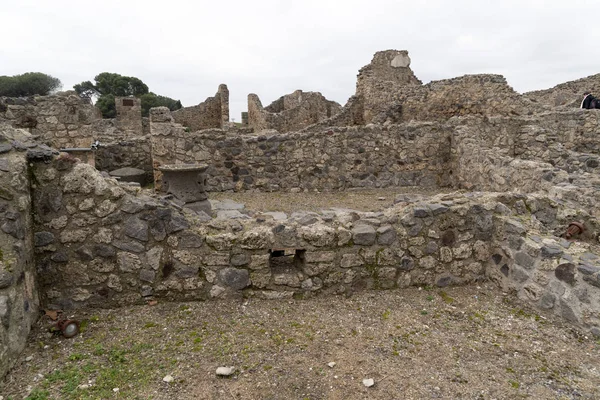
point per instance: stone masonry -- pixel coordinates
(291, 112)
(522, 169)
(212, 113)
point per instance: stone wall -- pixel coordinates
(129, 116)
(66, 120)
(61, 120)
(485, 95)
(566, 94)
(134, 152)
(291, 112)
(212, 113)
(19, 301)
(104, 247)
(340, 158)
(380, 81)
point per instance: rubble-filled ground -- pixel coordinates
(417, 343)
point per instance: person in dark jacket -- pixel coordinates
(589, 101)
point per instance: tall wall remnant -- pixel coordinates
(129, 116)
(291, 112)
(19, 300)
(212, 113)
(380, 81)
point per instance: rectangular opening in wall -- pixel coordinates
(286, 259)
(127, 102)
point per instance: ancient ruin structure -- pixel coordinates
(291, 112)
(517, 173)
(212, 113)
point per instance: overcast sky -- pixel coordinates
(185, 49)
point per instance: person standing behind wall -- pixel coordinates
(589, 101)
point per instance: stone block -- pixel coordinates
(319, 256)
(351, 260)
(364, 235)
(234, 278)
(566, 273)
(43, 239)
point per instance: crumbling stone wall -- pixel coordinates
(568, 94)
(291, 112)
(212, 113)
(66, 120)
(104, 247)
(19, 301)
(380, 81)
(341, 158)
(134, 152)
(485, 95)
(129, 116)
(61, 120)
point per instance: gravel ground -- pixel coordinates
(417, 343)
(360, 200)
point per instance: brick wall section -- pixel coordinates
(212, 113)
(340, 158)
(291, 112)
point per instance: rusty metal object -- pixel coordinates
(68, 327)
(575, 228)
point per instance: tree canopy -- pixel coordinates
(28, 84)
(109, 85)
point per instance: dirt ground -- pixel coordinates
(417, 343)
(358, 199)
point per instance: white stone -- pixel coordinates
(168, 379)
(29, 358)
(401, 61)
(368, 382)
(331, 364)
(225, 371)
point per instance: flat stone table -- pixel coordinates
(186, 182)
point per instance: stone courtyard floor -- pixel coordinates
(417, 343)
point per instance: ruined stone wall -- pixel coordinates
(133, 152)
(566, 94)
(212, 113)
(485, 95)
(380, 81)
(61, 120)
(19, 301)
(548, 272)
(104, 247)
(336, 159)
(291, 112)
(129, 116)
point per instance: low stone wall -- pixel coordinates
(99, 246)
(19, 301)
(336, 159)
(212, 113)
(291, 112)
